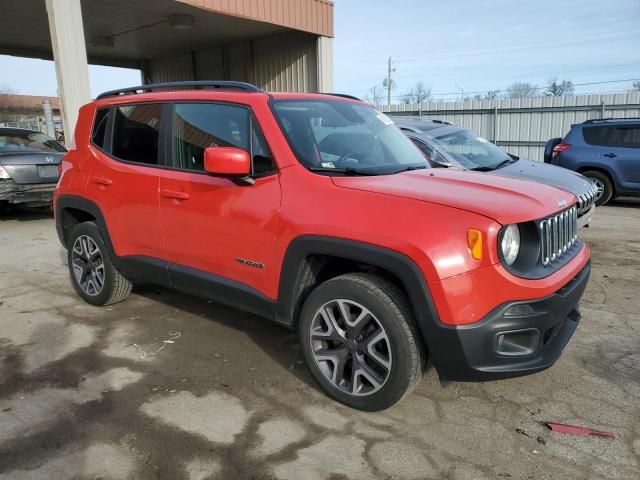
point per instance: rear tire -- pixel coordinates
(604, 184)
(375, 360)
(93, 274)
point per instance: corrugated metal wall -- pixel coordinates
(522, 126)
(286, 62)
(315, 16)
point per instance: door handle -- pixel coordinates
(609, 155)
(102, 181)
(175, 194)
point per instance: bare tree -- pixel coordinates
(636, 86)
(7, 90)
(375, 95)
(418, 94)
(490, 95)
(520, 90)
(556, 88)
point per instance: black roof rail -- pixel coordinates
(343, 95)
(196, 84)
(611, 119)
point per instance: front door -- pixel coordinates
(218, 226)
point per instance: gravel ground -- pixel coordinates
(88, 392)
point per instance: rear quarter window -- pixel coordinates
(100, 127)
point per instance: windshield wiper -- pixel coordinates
(408, 169)
(343, 171)
(493, 167)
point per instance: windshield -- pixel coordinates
(345, 136)
(466, 149)
(16, 141)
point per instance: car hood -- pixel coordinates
(547, 174)
(506, 200)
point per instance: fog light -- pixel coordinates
(519, 310)
(518, 343)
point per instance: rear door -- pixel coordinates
(124, 180)
(216, 225)
(627, 155)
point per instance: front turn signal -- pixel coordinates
(474, 240)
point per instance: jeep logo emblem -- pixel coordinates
(49, 159)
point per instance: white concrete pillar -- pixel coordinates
(324, 49)
(70, 55)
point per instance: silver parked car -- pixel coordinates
(446, 145)
(28, 167)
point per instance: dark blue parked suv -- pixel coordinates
(606, 150)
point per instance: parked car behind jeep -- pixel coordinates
(447, 145)
(28, 167)
(605, 150)
(316, 212)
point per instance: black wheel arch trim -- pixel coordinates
(442, 341)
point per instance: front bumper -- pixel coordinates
(502, 345)
(33, 194)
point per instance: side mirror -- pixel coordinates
(227, 161)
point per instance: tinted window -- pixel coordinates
(27, 141)
(136, 131)
(602, 136)
(629, 137)
(197, 126)
(100, 127)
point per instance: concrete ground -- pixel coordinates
(88, 392)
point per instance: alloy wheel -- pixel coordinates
(350, 347)
(88, 265)
(599, 186)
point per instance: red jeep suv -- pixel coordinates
(315, 211)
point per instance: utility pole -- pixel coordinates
(389, 82)
(461, 92)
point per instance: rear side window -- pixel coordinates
(629, 137)
(198, 126)
(100, 127)
(601, 136)
(136, 130)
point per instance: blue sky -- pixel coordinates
(476, 44)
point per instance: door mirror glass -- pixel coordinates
(227, 161)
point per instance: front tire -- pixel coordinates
(603, 182)
(360, 342)
(93, 274)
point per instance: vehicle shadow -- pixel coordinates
(624, 202)
(25, 214)
(277, 341)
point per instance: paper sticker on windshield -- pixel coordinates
(328, 165)
(483, 140)
(384, 119)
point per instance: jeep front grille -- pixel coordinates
(587, 199)
(558, 234)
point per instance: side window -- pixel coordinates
(100, 127)
(136, 131)
(262, 159)
(629, 137)
(197, 126)
(600, 136)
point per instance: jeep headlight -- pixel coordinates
(510, 244)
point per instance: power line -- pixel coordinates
(533, 88)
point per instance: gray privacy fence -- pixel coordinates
(522, 126)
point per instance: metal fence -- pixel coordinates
(522, 126)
